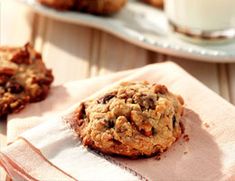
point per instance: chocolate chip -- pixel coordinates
(154, 131)
(174, 121)
(14, 87)
(110, 124)
(116, 142)
(146, 102)
(150, 102)
(106, 98)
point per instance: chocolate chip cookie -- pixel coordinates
(23, 78)
(98, 7)
(133, 119)
(156, 3)
(102, 7)
(59, 4)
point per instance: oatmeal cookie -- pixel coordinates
(156, 3)
(133, 119)
(23, 78)
(59, 4)
(102, 7)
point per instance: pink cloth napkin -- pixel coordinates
(50, 151)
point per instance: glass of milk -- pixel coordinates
(202, 19)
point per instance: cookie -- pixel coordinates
(23, 78)
(59, 4)
(156, 3)
(101, 7)
(133, 119)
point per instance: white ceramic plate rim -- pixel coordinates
(107, 25)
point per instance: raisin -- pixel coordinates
(3, 79)
(14, 87)
(22, 57)
(38, 56)
(106, 98)
(6, 71)
(42, 81)
(162, 89)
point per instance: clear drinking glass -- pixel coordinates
(202, 19)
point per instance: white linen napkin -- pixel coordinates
(50, 151)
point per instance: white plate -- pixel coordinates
(144, 26)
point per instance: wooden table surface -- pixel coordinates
(76, 52)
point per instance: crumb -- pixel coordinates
(182, 127)
(206, 125)
(186, 138)
(185, 152)
(158, 157)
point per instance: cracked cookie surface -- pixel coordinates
(23, 78)
(133, 119)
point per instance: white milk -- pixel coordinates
(202, 14)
